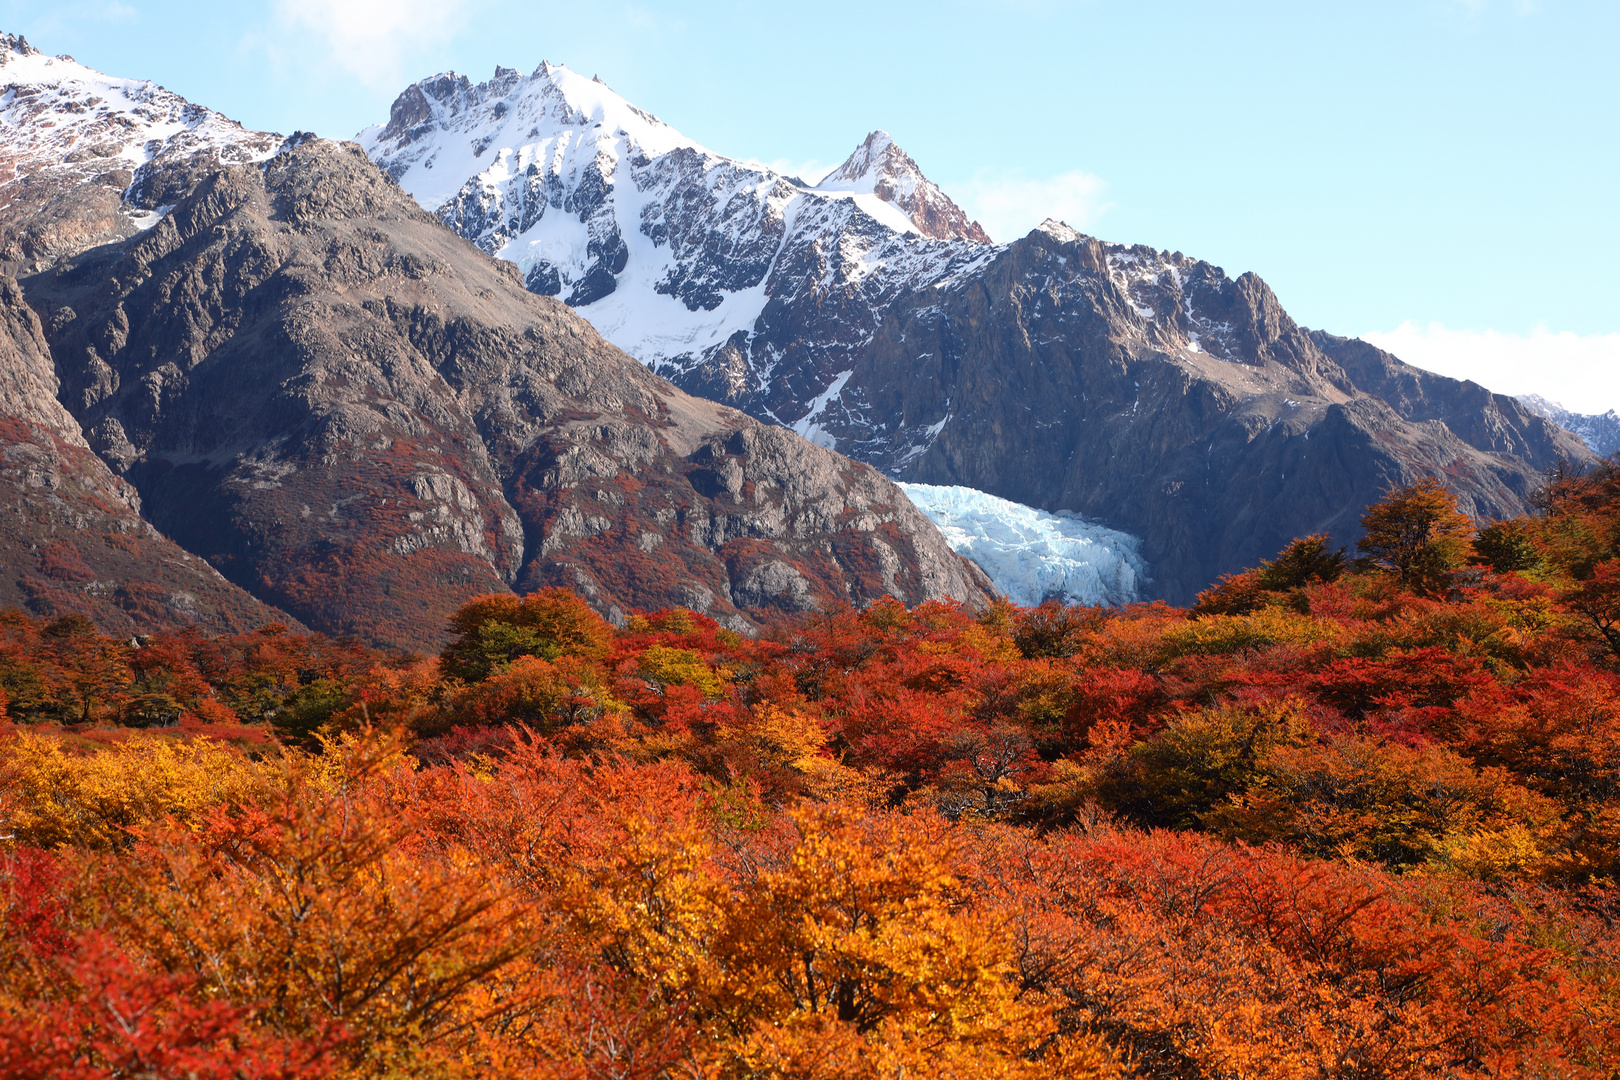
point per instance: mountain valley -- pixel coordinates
(361, 419)
(522, 595)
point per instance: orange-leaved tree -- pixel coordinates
(1417, 533)
(492, 631)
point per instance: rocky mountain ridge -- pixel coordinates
(1600, 431)
(372, 421)
(1141, 388)
(1152, 392)
(701, 266)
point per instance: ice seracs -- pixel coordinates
(1031, 555)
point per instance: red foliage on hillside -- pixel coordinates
(1351, 819)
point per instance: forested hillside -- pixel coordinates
(1353, 814)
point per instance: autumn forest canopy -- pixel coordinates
(1354, 814)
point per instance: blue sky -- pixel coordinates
(1438, 175)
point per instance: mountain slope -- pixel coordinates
(78, 151)
(1152, 392)
(360, 417)
(1140, 388)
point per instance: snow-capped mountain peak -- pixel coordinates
(446, 129)
(1058, 231)
(85, 143)
(675, 253)
(53, 108)
(879, 167)
(1600, 431)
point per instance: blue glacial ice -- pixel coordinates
(1032, 555)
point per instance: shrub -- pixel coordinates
(492, 631)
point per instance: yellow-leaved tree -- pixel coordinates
(848, 951)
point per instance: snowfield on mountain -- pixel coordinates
(676, 254)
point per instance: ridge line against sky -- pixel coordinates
(1434, 175)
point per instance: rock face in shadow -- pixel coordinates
(356, 415)
(72, 539)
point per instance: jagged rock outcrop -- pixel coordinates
(72, 539)
(360, 417)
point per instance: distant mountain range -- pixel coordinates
(1600, 431)
(1141, 388)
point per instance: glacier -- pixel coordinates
(1032, 555)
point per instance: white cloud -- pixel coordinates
(372, 39)
(1580, 372)
(1009, 204)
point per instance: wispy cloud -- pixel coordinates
(810, 171)
(1480, 7)
(104, 11)
(1009, 204)
(646, 20)
(1580, 372)
(63, 18)
(370, 39)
